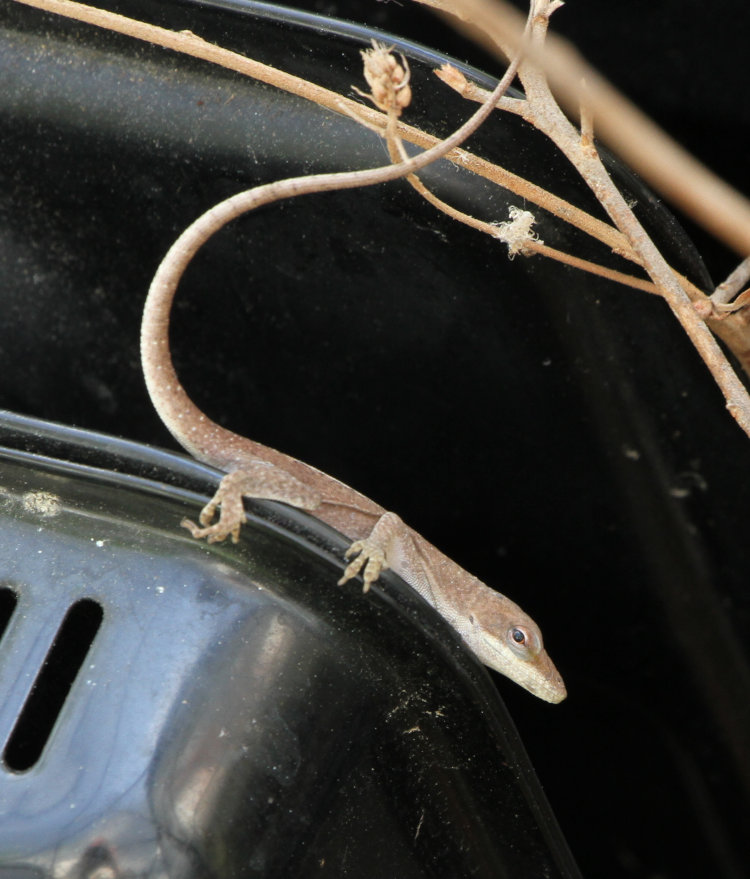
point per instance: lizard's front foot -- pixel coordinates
(373, 551)
(370, 556)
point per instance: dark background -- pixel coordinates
(680, 62)
(556, 436)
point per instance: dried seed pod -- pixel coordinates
(387, 77)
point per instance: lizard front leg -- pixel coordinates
(374, 553)
(258, 480)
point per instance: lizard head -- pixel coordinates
(509, 641)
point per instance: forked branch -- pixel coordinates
(545, 114)
(628, 132)
(614, 117)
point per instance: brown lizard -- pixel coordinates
(500, 634)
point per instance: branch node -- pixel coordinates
(710, 308)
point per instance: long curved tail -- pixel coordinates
(200, 436)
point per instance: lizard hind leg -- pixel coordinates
(257, 480)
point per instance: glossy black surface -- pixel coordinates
(234, 715)
(555, 434)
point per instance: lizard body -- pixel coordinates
(500, 634)
(495, 628)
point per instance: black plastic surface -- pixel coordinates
(232, 713)
(554, 434)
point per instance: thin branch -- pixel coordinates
(626, 130)
(188, 43)
(166, 392)
(727, 290)
(725, 321)
(550, 119)
(602, 100)
(587, 120)
(469, 90)
(591, 267)
(532, 246)
(538, 247)
(388, 79)
(545, 114)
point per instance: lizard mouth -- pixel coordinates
(539, 676)
(547, 682)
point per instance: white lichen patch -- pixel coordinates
(516, 232)
(42, 503)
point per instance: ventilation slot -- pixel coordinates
(8, 602)
(52, 685)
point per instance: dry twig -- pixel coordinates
(542, 110)
(628, 132)
(718, 207)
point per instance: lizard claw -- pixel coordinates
(214, 533)
(370, 556)
(231, 515)
(257, 479)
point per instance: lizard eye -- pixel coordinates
(524, 641)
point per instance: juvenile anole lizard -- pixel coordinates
(500, 634)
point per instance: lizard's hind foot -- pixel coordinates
(214, 533)
(256, 480)
(232, 514)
